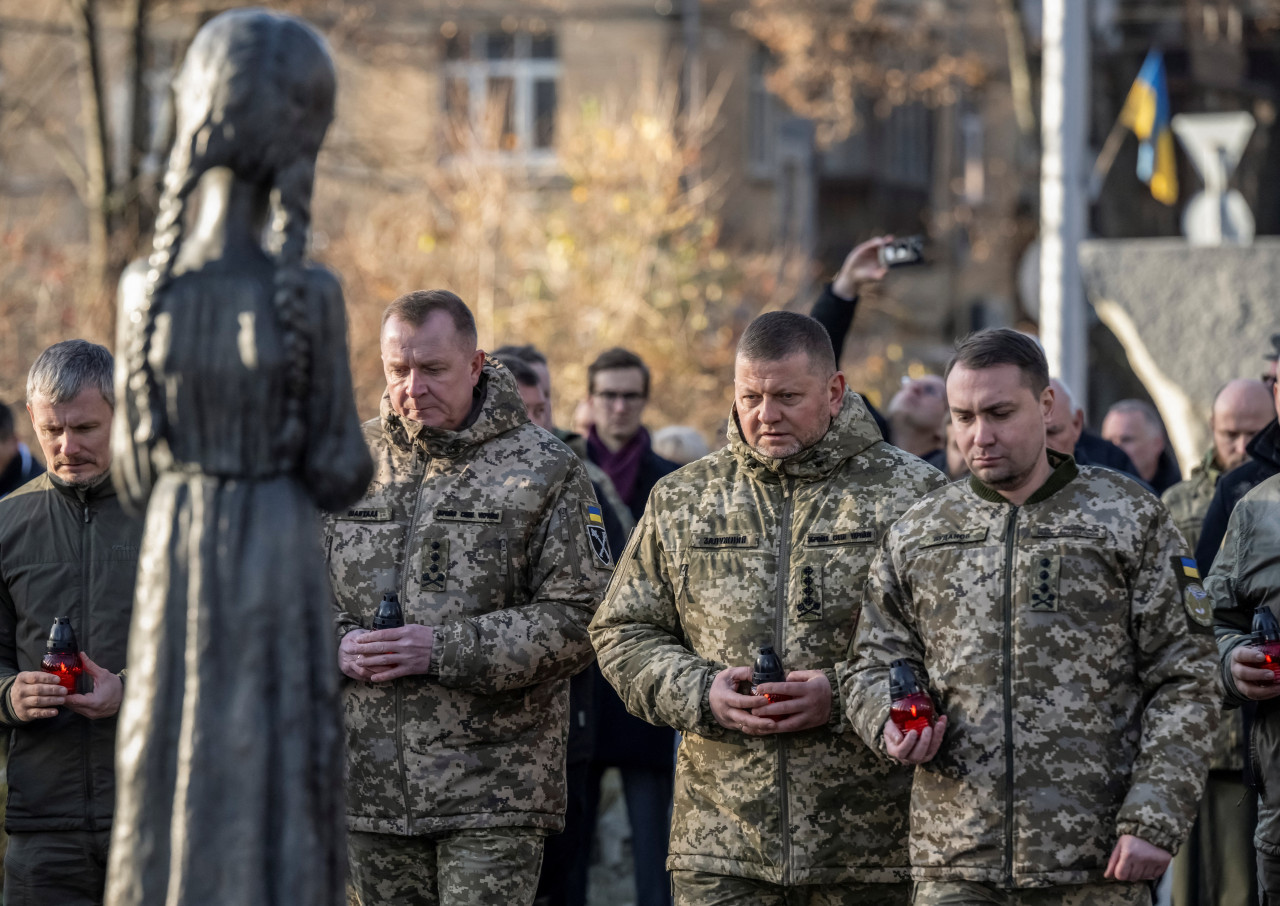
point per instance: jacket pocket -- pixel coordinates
(363, 563)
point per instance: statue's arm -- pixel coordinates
(337, 465)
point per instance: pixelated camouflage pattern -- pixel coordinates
(1245, 574)
(1074, 666)
(699, 888)
(482, 534)
(735, 551)
(1187, 502)
(967, 893)
(491, 867)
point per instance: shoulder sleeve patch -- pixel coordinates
(1195, 600)
(597, 537)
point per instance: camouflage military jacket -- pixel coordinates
(1068, 642)
(1189, 500)
(1245, 574)
(738, 550)
(488, 534)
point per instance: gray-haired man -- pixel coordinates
(67, 549)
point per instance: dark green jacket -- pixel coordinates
(63, 553)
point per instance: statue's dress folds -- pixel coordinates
(230, 755)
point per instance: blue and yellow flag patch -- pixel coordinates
(594, 517)
(1189, 568)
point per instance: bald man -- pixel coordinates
(918, 419)
(1216, 864)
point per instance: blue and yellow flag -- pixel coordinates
(1146, 112)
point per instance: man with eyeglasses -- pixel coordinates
(618, 391)
(1263, 462)
(918, 419)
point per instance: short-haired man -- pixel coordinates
(566, 859)
(618, 384)
(918, 419)
(767, 542)
(1135, 427)
(1052, 612)
(17, 465)
(482, 525)
(1065, 432)
(1217, 863)
(1263, 461)
(67, 549)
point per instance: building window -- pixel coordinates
(762, 120)
(500, 93)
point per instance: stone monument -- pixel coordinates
(234, 420)
(1192, 313)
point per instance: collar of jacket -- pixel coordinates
(1266, 445)
(852, 431)
(99, 490)
(500, 410)
(1208, 466)
(1064, 469)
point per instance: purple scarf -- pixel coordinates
(623, 467)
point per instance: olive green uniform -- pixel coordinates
(489, 535)
(1070, 649)
(735, 551)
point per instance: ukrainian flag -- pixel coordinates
(593, 514)
(1146, 112)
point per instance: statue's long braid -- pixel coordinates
(290, 227)
(180, 180)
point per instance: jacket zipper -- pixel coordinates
(83, 638)
(780, 622)
(420, 467)
(1010, 536)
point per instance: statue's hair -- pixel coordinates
(225, 119)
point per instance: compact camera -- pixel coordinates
(901, 252)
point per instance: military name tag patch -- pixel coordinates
(369, 514)
(1195, 600)
(1096, 532)
(955, 537)
(458, 514)
(722, 541)
(867, 536)
(597, 536)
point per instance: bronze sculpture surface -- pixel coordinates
(235, 420)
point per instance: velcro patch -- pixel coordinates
(368, 514)
(435, 564)
(1095, 532)
(961, 537)
(458, 514)
(597, 536)
(726, 541)
(1045, 571)
(1195, 600)
(857, 536)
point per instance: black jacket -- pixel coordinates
(67, 553)
(836, 315)
(620, 738)
(1092, 450)
(21, 469)
(1264, 461)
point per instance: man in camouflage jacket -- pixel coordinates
(1217, 865)
(486, 527)
(767, 542)
(1059, 625)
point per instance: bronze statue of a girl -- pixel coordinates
(234, 420)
